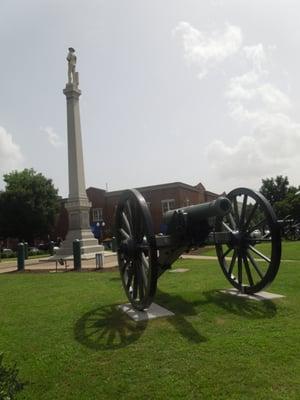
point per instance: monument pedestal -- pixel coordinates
(79, 228)
(78, 205)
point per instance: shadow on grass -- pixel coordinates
(182, 309)
(246, 308)
(250, 309)
(107, 328)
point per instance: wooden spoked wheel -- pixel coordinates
(250, 260)
(136, 247)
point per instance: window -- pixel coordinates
(97, 214)
(187, 202)
(167, 205)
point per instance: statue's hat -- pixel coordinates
(71, 49)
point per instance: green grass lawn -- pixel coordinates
(290, 250)
(70, 342)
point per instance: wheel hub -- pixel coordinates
(129, 247)
(240, 240)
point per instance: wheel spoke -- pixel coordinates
(140, 281)
(126, 222)
(243, 213)
(253, 262)
(137, 224)
(226, 252)
(227, 227)
(260, 254)
(251, 216)
(135, 284)
(144, 270)
(124, 266)
(232, 221)
(248, 272)
(232, 262)
(240, 269)
(129, 279)
(133, 219)
(128, 212)
(261, 222)
(124, 234)
(145, 262)
(236, 210)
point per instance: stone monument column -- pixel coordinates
(77, 205)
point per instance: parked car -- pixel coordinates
(256, 234)
(43, 246)
(33, 250)
(7, 252)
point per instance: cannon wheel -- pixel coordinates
(251, 260)
(136, 247)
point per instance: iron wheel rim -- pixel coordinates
(250, 269)
(136, 249)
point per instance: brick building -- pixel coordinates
(160, 198)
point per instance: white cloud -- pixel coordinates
(53, 137)
(11, 157)
(257, 55)
(208, 49)
(251, 92)
(271, 148)
(272, 139)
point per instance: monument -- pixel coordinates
(77, 205)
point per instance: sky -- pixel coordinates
(191, 91)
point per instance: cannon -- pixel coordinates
(241, 225)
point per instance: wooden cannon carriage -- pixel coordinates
(242, 226)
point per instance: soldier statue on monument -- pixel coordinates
(72, 74)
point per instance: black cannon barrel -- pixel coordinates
(216, 208)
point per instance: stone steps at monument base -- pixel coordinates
(87, 246)
(110, 260)
(81, 235)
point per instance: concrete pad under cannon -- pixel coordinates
(154, 311)
(179, 270)
(259, 296)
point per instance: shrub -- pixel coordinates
(10, 255)
(9, 382)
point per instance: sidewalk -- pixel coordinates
(110, 262)
(43, 265)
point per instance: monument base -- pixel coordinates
(88, 244)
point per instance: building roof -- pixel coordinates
(94, 188)
(158, 187)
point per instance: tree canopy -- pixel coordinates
(275, 189)
(282, 196)
(28, 206)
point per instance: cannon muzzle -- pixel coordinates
(198, 212)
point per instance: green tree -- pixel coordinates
(290, 205)
(275, 189)
(28, 206)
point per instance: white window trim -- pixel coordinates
(167, 201)
(97, 214)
